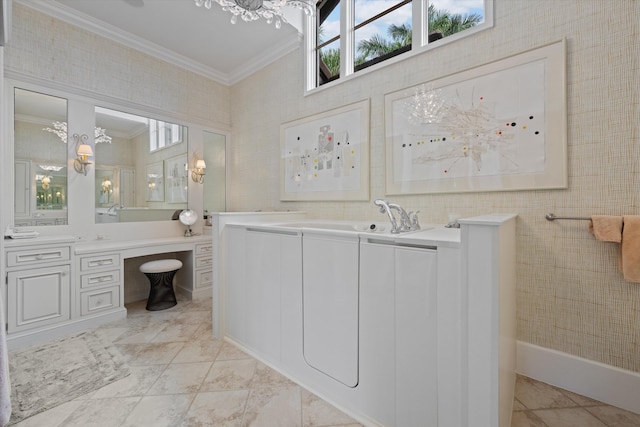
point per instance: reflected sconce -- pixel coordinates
(106, 184)
(83, 150)
(46, 180)
(197, 174)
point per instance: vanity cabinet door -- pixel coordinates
(38, 297)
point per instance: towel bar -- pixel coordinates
(553, 217)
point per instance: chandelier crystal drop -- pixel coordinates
(60, 129)
(252, 10)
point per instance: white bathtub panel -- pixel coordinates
(416, 338)
(330, 306)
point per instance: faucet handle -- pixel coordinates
(413, 216)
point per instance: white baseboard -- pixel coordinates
(606, 383)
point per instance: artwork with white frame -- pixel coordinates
(176, 179)
(326, 156)
(496, 127)
(155, 182)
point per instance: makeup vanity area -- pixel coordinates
(57, 286)
(97, 189)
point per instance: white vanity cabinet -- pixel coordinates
(398, 334)
(100, 283)
(38, 286)
(203, 266)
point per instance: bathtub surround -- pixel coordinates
(399, 329)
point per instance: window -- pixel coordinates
(348, 36)
(163, 134)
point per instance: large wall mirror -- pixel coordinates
(40, 153)
(141, 170)
(214, 147)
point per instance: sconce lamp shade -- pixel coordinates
(197, 174)
(81, 164)
(84, 150)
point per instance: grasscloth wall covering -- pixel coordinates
(570, 295)
(49, 49)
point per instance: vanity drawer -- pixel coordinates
(204, 262)
(38, 255)
(111, 277)
(99, 261)
(204, 278)
(204, 249)
(92, 302)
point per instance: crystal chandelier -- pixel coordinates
(60, 129)
(426, 106)
(251, 10)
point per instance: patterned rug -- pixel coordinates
(46, 376)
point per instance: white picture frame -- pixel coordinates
(497, 127)
(326, 156)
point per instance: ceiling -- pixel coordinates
(179, 32)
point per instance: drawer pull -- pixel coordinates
(100, 279)
(100, 262)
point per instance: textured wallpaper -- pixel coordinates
(49, 49)
(571, 296)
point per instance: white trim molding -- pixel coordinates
(606, 383)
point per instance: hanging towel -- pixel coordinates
(606, 228)
(5, 383)
(630, 254)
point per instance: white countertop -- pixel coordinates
(121, 245)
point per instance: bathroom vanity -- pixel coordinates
(395, 329)
(56, 285)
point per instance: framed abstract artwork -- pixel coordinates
(176, 178)
(496, 127)
(155, 182)
(326, 156)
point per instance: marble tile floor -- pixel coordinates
(182, 377)
(537, 404)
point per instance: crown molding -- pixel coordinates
(73, 17)
(270, 56)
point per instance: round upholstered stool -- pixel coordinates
(160, 274)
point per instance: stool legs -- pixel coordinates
(161, 295)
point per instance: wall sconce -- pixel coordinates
(197, 174)
(106, 184)
(46, 180)
(81, 164)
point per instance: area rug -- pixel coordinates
(54, 373)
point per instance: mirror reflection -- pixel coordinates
(40, 150)
(141, 173)
(214, 147)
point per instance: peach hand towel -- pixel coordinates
(630, 254)
(606, 228)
